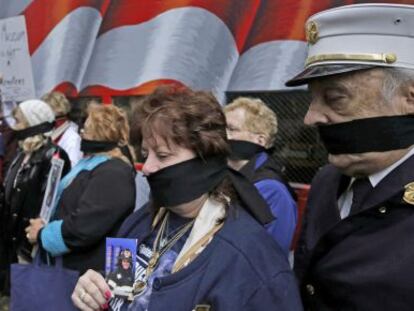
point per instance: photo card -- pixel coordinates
(120, 265)
(50, 196)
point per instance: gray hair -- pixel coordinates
(394, 80)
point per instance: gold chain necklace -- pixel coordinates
(158, 251)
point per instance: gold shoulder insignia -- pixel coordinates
(409, 193)
(312, 32)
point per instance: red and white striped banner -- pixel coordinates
(125, 47)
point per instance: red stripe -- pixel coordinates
(43, 15)
(237, 15)
(285, 19)
(143, 89)
(67, 88)
(385, 1)
(104, 92)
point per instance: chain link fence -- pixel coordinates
(297, 146)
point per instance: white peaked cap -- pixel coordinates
(355, 37)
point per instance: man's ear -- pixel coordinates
(409, 99)
(411, 95)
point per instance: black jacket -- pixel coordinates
(23, 196)
(21, 199)
(92, 208)
(362, 262)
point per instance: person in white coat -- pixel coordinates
(65, 134)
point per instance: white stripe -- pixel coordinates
(64, 54)
(10, 8)
(267, 66)
(190, 45)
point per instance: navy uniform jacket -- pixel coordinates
(365, 261)
(242, 268)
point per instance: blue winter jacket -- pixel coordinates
(264, 172)
(241, 269)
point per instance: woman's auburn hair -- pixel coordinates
(110, 123)
(190, 119)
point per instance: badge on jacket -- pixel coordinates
(409, 193)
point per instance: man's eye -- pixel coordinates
(335, 99)
(333, 95)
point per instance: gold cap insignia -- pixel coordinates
(312, 32)
(409, 193)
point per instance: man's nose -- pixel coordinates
(315, 115)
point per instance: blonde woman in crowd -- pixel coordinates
(95, 197)
(26, 180)
(252, 129)
(65, 133)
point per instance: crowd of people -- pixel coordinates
(216, 227)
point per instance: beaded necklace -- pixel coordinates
(158, 251)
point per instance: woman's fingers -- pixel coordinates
(80, 304)
(90, 291)
(31, 234)
(100, 282)
(90, 302)
(96, 295)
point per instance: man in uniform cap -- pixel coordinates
(356, 247)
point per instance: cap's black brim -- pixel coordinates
(325, 70)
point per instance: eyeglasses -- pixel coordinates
(235, 129)
(239, 130)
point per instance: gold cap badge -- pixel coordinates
(312, 32)
(409, 193)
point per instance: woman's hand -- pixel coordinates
(91, 292)
(33, 229)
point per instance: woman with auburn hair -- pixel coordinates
(201, 247)
(94, 198)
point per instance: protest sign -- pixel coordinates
(15, 61)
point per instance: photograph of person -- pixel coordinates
(121, 278)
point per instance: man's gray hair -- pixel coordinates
(394, 79)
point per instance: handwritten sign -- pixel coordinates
(15, 62)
